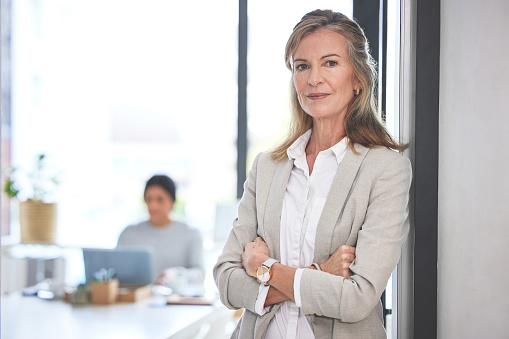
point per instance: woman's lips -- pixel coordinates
(317, 96)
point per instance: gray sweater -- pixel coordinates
(174, 245)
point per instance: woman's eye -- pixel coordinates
(301, 67)
(331, 63)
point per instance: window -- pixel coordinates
(114, 92)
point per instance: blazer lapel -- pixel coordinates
(336, 199)
(274, 207)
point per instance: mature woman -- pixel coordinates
(324, 215)
(178, 248)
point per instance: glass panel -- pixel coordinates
(392, 123)
(268, 78)
(115, 91)
(392, 60)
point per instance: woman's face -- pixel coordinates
(323, 75)
(159, 204)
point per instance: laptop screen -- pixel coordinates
(133, 266)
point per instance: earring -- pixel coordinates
(357, 91)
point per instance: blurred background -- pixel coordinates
(112, 92)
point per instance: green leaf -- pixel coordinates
(10, 190)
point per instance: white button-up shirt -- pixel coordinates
(302, 207)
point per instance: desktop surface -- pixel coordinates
(32, 317)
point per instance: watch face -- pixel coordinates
(263, 274)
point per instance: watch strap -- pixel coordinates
(269, 262)
(266, 265)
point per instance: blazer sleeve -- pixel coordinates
(380, 237)
(236, 288)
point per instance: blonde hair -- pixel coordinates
(362, 124)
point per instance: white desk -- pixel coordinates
(31, 317)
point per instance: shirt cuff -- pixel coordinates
(260, 301)
(296, 287)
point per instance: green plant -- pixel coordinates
(36, 185)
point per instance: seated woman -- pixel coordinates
(178, 248)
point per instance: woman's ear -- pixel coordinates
(356, 84)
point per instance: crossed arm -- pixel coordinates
(281, 280)
(378, 232)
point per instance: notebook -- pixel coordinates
(133, 266)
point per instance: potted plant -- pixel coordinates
(37, 215)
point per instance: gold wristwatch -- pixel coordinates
(263, 273)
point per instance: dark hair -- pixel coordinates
(164, 182)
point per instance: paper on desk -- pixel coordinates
(178, 300)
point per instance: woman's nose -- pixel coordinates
(315, 77)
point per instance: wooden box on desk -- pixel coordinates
(133, 293)
(104, 292)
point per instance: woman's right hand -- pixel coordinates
(339, 262)
(255, 253)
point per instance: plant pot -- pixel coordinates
(104, 292)
(38, 222)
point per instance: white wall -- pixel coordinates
(473, 247)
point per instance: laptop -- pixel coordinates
(133, 266)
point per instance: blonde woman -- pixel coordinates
(323, 216)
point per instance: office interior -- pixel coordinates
(197, 90)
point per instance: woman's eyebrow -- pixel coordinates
(324, 57)
(330, 55)
(302, 60)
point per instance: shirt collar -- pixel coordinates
(298, 148)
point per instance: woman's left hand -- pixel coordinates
(339, 262)
(255, 253)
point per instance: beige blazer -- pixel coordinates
(367, 207)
